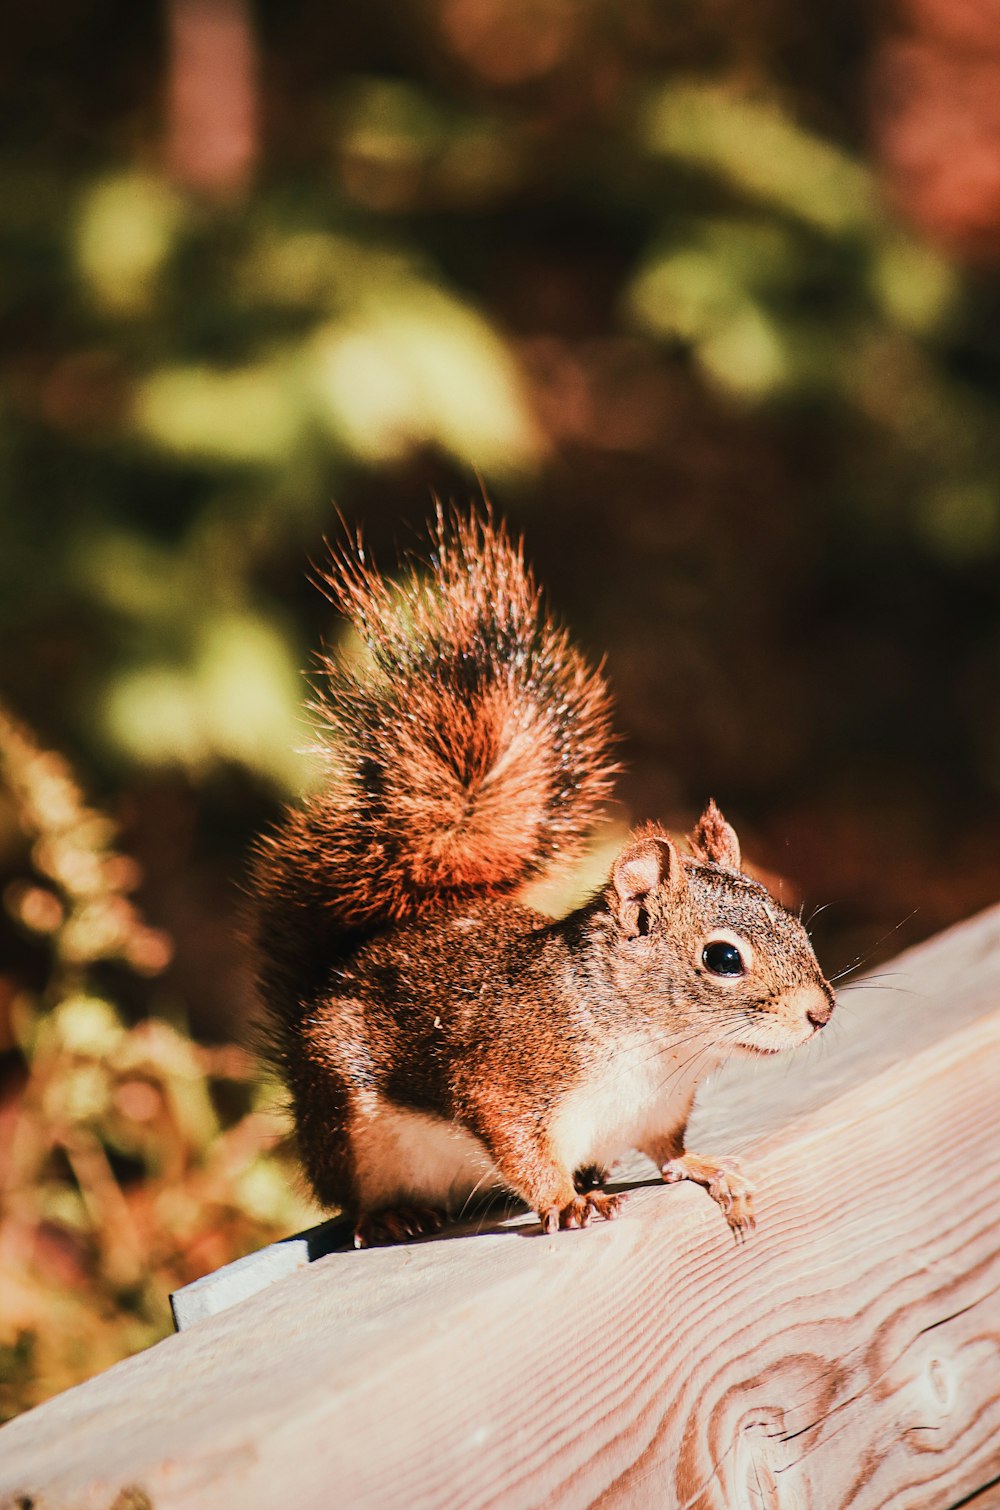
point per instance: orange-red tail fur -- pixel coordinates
(466, 749)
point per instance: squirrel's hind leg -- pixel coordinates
(397, 1224)
(321, 1104)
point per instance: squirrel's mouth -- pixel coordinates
(770, 1049)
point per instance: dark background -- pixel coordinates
(704, 296)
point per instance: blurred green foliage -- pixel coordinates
(628, 267)
(188, 380)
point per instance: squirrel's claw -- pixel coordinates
(397, 1224)
(580, 1210)
(726, 1184)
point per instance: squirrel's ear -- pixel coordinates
(646, 865)
(714, 839)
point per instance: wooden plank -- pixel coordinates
(848, 1354)
(244, 1277)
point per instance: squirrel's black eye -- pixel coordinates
(722, 958)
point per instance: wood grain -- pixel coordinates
(847, 1355)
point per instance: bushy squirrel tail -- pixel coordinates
(466, 746)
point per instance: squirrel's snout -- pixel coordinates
(820, 1013)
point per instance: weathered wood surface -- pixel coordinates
(244, 1277)
(848, 1354)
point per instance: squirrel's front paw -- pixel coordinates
(580, 1210)
(725, 1182)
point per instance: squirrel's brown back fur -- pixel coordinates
(464, 750)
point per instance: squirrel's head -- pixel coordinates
(711, 944)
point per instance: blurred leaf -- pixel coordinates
(398, 142)
(262, 1190)
(249, 416)
(962, 523)
(240, 701)
(916, 287)
(126, 229)
(747, 354)
(760, 151)
(391, 120)
(154, 714)
(132, 575)
(722, 292)
(313, 270)
(418, 366)
(87, 1026)
(251, 695)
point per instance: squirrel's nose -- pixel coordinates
(820, 1014)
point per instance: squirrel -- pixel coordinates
(437, 1037)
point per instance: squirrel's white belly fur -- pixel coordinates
(404, 1157)
(639, 1093)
